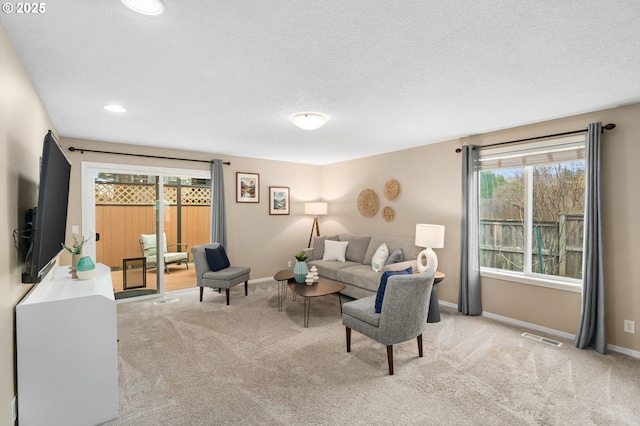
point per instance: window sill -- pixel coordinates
(540, 282)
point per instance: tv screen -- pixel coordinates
(49, 219)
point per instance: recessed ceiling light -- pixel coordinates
(114, 108)
(147, 7)
(309, 120)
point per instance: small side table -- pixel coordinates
(283, 277)
(434, 306)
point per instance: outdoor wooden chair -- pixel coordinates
(149, 251)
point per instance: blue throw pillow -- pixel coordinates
(383, 285)
(217, 258)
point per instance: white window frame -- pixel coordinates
(528, 277)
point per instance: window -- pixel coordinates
(532, 210)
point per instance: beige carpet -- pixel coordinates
(192, 363)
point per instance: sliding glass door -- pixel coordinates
(145, 221)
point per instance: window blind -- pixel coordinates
(544, 152)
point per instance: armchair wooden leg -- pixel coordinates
(348, 331)
(201, 289)
(390, 359)
(246, 288)
(420, 346)
(227, 292)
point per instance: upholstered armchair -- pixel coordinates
(403, 313)
(150, 251)
(226, 277)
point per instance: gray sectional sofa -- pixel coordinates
(356, 271)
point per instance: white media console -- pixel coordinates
(66, 335)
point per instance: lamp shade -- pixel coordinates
(429, 236)
(315, 209)
(309, 120)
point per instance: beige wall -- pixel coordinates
(430, 179)
(23, 124)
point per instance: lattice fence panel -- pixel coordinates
(140, 194)
(196, 196)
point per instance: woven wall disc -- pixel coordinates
(368, 202)
(388, 214)
(391, 189)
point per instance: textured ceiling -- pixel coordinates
(224, 76)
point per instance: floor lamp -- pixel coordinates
(430, 237)
(315, 209)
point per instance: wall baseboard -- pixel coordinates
(550, 331)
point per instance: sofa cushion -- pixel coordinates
(380, 257)
(396, 257)
(318, 245)
(383, 286)
(330, 268)
(173, 257)
(335, 250)
(361, 276)
(358, 246)
(217, 258)
(407, 245)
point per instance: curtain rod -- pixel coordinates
(83, 150)
(609, 126)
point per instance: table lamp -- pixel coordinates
(315, 209)
(430, 237)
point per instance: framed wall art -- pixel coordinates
(278, 200)
(247, 187)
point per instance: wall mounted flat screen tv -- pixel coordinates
(48, 221)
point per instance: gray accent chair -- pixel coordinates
(403, 315)
(225, 278)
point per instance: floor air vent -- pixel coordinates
(165, 300)
(542, 339)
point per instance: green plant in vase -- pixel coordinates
(300, 269)
(76, 251)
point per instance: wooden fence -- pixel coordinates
(125, 211)
(502, 246)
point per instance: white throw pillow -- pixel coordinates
(335, 250)
(380, 256)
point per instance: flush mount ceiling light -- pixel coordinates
(147, 7)
(308, 120)
(114, 108)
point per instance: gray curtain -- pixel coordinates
(591, 330)
(218, 216)
(469, 296)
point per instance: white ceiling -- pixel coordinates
(224, 76)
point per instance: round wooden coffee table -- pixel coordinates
(322, 287)
(283, 277)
